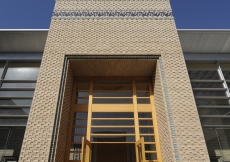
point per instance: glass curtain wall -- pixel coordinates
(210, 83)
(17, 84)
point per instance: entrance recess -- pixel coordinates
(113, 119)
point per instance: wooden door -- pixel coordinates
(111, 153)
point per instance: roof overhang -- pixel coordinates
(204, 41)
(22, 40)
(193, 41)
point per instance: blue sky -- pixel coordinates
(189, 14)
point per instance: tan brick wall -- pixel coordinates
(162, 117)
(64, 119)
(69, 35)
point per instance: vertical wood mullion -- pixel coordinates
(89, 120)
(155, 126)
(71, 120)
(136, 121)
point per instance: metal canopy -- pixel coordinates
(205, 41)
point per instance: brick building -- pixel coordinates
(115, 81)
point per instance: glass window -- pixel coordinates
(22, 71)
(215, 121)
(3, 140)
(16, 93)
(112, 115)
(224, 137)
(206, 85)
(209, 93)
(212, 143)
(13, 122)
(15, 101)
(18, 85)
(212, 111)
(205, 71)
(113, 101)
(15, 141)
(112, 94)
(18, 111)
(200, 102)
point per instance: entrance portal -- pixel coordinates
(113, 114)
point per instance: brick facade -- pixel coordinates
(132, 33)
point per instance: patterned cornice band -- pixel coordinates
(132, 14)
(112, 2)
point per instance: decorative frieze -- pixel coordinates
(113, 14)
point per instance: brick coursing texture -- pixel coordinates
(162, 117)
(64, 120)
(113, 37)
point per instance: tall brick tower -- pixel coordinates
(134, 29)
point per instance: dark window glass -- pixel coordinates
(112, 115)
(146, 131)
(81, 115)
(209, 93)
(18, 85)
(199, 71)
(15, 142)
(79, 131)
(212, 111)
(16, 93)
(112, 122)
(22, 71)
(113, 130)
(82, 94)
(203, 75)
(112, 94)
(143, 101)
(13, 122)
(151, 156)
(11, 141)
(3, 140)
(224, 136)
(77, 138)
(150, 147)
(215, 121)
(145, 122)
(148, 138)
(21, 111)
(211, 102)
(206, 85)
(80, 122)
(211, 142)
(15, 101)
(143, 94)
(144, 115)
(82, 101)
(113, 139)
(113, 101)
